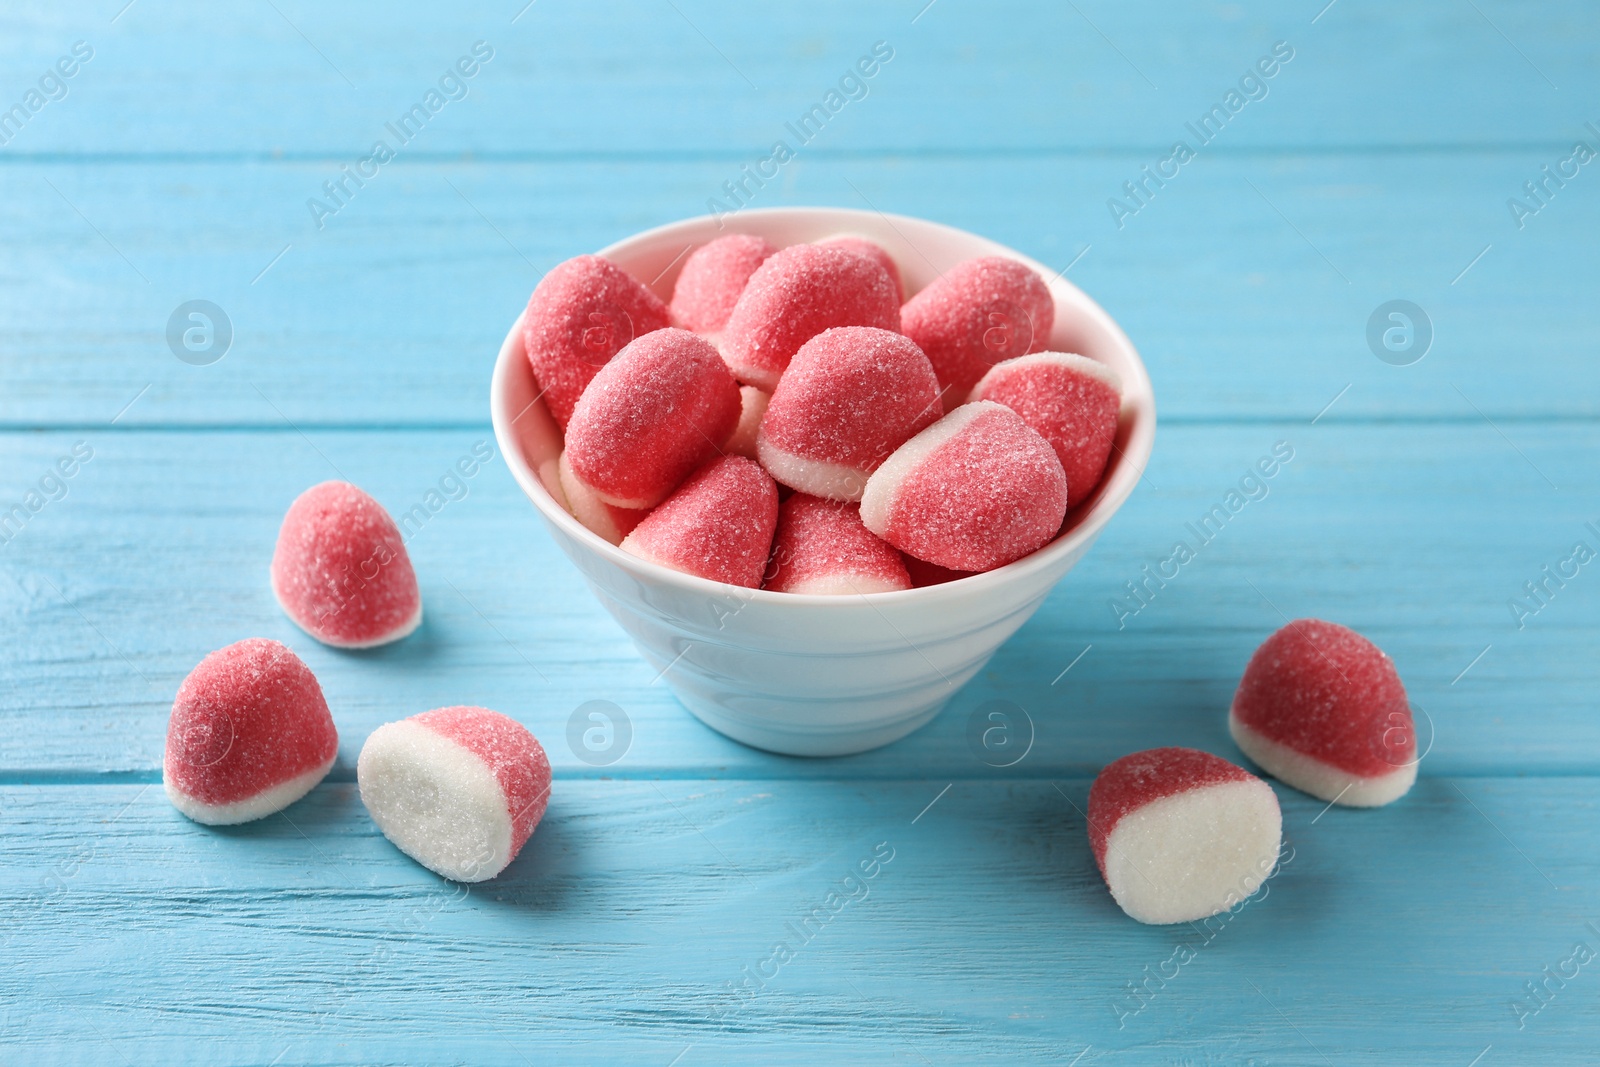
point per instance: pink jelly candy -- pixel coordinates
(972, 492)
(1071, 401)
(582, 313)
(1180, 834)
(713, 277)
(611, 523)
(340, 569)
(460, 790)
(821, 547)
(795, 295)
(979, 313)
(752, 409)
(871, 249)
(718, 525)
(653, 414)
(250, 734)
(851, 396)
(1322, 708)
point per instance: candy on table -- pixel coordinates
(1321, 708)
(340, 569)
(610, 523)
(752, 409)
(863, 246)
(1181, 834)
(821, 547)
(978, 313)
(713, 277)
(851, 396)
(1069, 400)
(582, 313)
(653, 414)
(974, 491)
(924, 573)
(795, 295)
(460, 790)
(718, 525)
(250, 734)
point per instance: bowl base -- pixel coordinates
(836, 741)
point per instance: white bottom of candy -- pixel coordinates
(1184, 857)
(752, 409)
(1321, 779)
(249, 809)
(586, 507)
(438, 802)
(845, 585)
(832, 481)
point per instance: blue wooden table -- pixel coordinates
(1443, 477)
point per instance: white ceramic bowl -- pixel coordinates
(821, 675)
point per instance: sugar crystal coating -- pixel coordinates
(795, 295)
(718, 525)
(653, 414)
(862, 246)
(1071, 401)
(1180, 834)
(249, 734)
(822, 548)
(1323, 709)
(974, 491)
(580, 315)
(713, 277)
(978, 313)
(459, 789)
(851, 396)
(340, 569)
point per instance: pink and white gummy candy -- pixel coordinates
(250, 734)
(1180, 834)
(460, 789)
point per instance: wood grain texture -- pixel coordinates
(623, 932)
(1419, 502)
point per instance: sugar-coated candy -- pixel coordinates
(752, 409)
(460, 790)
(653, 414)
(718, 525)
(713, 277)
(581, 314)
(609, 522)
(862, 246)
(1321, 708)
(795, 295)
(1180, 834)
(822, 548)
(1071, 401)
(851, 396)
(250, 734)
(924, 573)
(976, 490)
(340, 569)
(978, 313)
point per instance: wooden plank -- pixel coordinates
(1248, 284)
(718, 77)
(1417, 534)
(623, 933)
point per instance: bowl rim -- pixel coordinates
(1126, 470)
